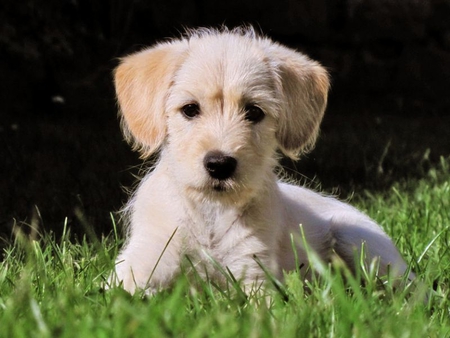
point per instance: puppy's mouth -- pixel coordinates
(217, 188)
(221, 186)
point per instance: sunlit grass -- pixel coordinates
(53, 287)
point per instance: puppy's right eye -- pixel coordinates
(190, 110)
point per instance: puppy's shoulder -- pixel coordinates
(155, 187)
(316, 203)
(301, 193)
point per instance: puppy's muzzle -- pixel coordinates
(219, 166)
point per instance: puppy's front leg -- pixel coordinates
(147, 263)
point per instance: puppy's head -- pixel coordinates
(219, 103)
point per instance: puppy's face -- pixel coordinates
(219, 104)
(221, 120)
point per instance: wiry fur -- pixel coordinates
(252, 214)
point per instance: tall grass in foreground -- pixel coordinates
(53, 287)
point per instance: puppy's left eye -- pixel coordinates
(253, 113)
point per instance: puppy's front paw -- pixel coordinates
(128, 279)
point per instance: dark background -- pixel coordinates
(61, 150)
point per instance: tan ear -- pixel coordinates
(304, 85)
(142, 82)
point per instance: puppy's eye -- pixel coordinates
(190, 110)
(253, 113)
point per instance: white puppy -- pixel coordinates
(218, 104)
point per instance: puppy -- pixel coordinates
(217, 104)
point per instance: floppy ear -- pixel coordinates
(304, 86)
(142, 82)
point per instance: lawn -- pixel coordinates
(52, 287)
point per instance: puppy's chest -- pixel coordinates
(214, 233)
(231, 240)
(227, 238)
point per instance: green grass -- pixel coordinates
(53, 287)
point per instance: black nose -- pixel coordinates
(219, 166)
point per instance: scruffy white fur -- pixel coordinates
(179, 210)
